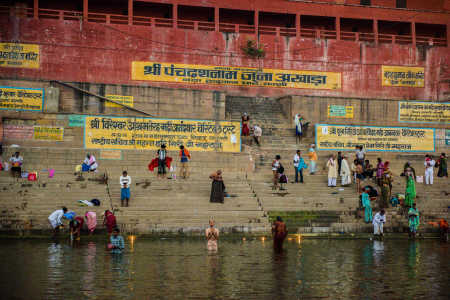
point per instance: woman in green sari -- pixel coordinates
(365, 200)
(413, 220)
(410, 193)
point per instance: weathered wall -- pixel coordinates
(93, 53)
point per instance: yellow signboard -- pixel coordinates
(15, 98)
(403, 76)
(125, 100)
(394, 139)
(340, 111)
(14, 55)
(242, 76)
(48, 133)
(150, 133)
(424, 112)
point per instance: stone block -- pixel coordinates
(51, 100)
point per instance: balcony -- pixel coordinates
(305, 31)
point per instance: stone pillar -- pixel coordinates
(85, 9)
(51, 100)
(375, 30)
(338, 28)
(130, 12)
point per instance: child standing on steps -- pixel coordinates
(125, 181)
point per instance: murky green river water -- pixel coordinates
(183, 269)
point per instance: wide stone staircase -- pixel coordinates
(157, 205)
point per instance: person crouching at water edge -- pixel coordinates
(413, 221)
(116, 242)
(212, 236)
(279, 233)
(378, 222)
(55, 219)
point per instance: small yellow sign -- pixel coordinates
(111, 154)
(241, 76)
(16, 98)
(372, 138)
(14, 55)
(48, 133)
(150, 134)
(125, 100)
(403, 76)
(424, 112)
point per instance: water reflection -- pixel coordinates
(183, 269)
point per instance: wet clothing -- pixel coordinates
(118, 244)
(110, 221)
(413, 220)
(279, 233)
(217, 189)
(410, 193)
(367, 207)
(91, 221)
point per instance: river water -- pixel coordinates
(183, 269)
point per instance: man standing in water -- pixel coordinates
(279, 233)
(212, 236)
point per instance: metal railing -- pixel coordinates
(43, 13)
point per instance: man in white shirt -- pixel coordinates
(55, 219)
(429, 165)
(125, 182)
(257, 133)
(360, 155)
(378, 220)
(16, 164)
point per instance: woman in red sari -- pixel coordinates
(245, 125)
(279, 233)
(109, 220)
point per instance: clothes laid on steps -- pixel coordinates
(96, 202)
(85, 203)
(91, 221)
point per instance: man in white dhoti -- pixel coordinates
(378, 221)
(429, 165)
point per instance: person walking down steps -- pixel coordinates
(125, 182)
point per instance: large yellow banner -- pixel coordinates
(394, 139)
(217, 75)
(14, 55)
(151, 133)
(424, 112)
(403, 76)
(15, 98)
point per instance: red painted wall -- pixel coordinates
(100, 53)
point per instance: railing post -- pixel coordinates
(297, 25)
(175, 15)
(152, 22)
(413, 33)
(338, 28)
(277, 31)
(108, 19)
(130, 12)
(196, 25)
(256, 21)
(85, 10)
(216, 18)
(375, 30)
(317, 33)
(393, 39)
(236, 28)
(36, 9)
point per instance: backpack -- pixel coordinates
(280, 169)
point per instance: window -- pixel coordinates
(401, 4)
(365, 2)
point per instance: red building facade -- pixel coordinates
(96, 41)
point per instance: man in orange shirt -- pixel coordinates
(184, 159)
(443, 230)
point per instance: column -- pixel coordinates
(36, 9)
(85, 10)
(175, 15)
(413, 33)
(375, 30)
(256, 21)
(338, 28)
(448, 34)
(297, 25)
(216, 18)
(130, 12)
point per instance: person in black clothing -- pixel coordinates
(339, 161)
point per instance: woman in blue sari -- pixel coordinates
(365, 200)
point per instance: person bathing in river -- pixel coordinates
(109, 220)
(117, 243)
(279, 233)
(212, 236)
(75, 227)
